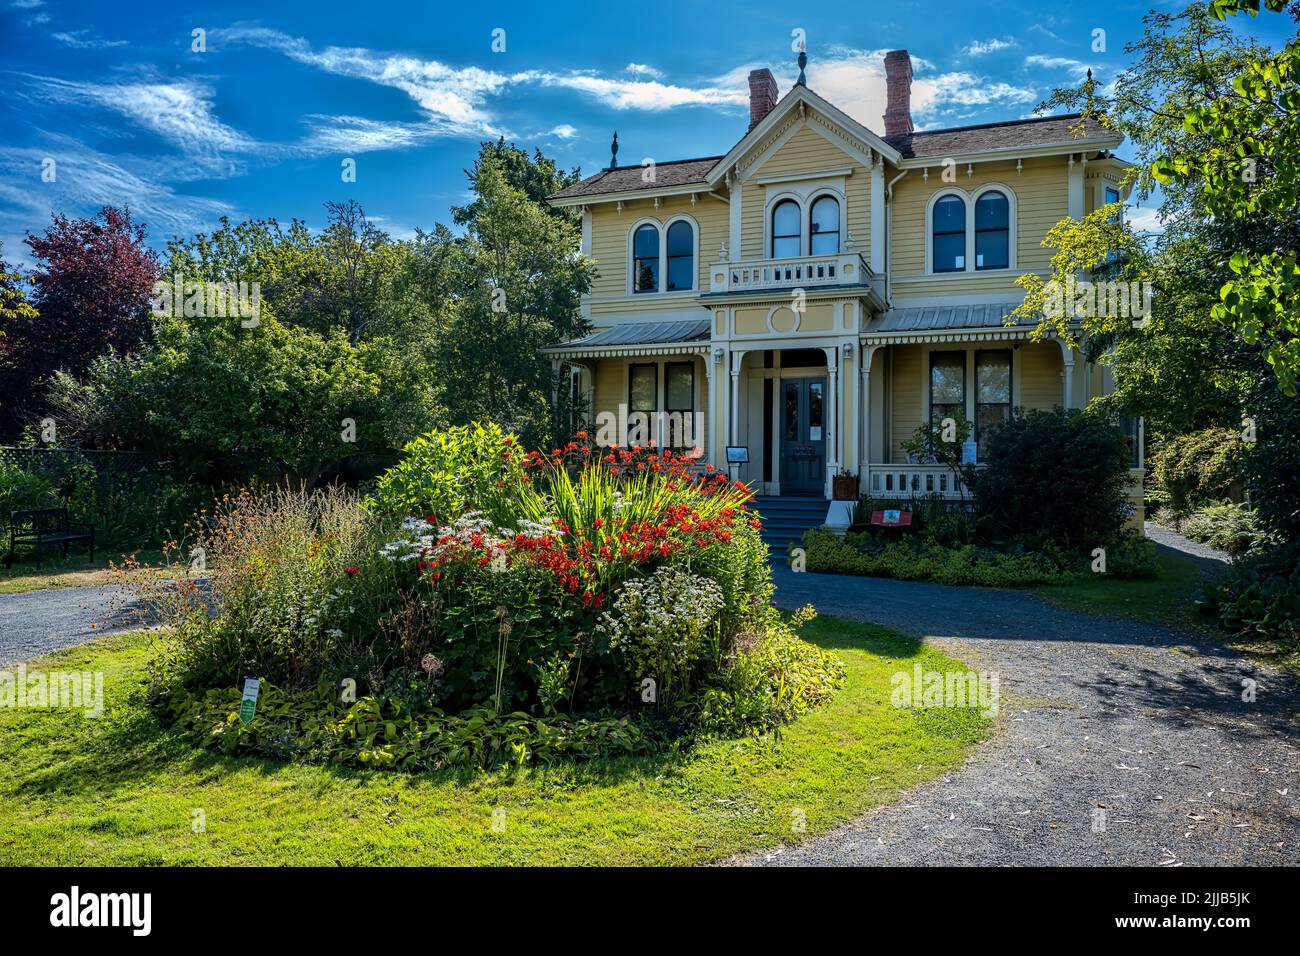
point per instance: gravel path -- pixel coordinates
(1211, 560)
(38, 622)
(1097, 714)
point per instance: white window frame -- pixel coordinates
(804, 198)
(663, 226)
(970, 198)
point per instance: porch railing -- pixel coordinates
(913, 481)
(845, 268)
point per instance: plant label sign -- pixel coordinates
(969, 451)
(248, 706)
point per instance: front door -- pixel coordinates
(803, 436)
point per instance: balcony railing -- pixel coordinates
(845, 268)
(913, 481)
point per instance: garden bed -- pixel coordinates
(485, 607)
(124, 789)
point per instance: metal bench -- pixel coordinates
(44, 526)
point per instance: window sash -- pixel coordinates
(952, 404)
(783, 240)
(989, 412)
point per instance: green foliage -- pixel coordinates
(1244, 167)
(1230, 527)
(1258, 597)
(1197, 467)
(22, 490)
(1056, 477)
(1272, 465)
(468, 467)
(914, 559)
(599, 575)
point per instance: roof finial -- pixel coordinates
(1089, 74)
(613, 152)
(803, 62)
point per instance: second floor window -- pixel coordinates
(645, 259)
(949, 231)
(785, 230)
(681, 256)
(824, 227)
(992, 231)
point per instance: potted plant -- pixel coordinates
(844, 486)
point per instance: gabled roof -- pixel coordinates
(800, 96)
(1016, 134)
(680, 172)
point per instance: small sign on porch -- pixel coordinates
(969, 451)
(892, 518)
(737, 454)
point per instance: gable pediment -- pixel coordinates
(801, 109)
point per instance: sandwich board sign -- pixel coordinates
(248, 705)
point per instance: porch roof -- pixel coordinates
(946, 322)
(638, 338)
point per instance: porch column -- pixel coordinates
(707, 357)
(555, 396)
(1067, 365)
(737, 360)
(830, 413)
(865, 355)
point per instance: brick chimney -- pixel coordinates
(762, 95)
(898, 88)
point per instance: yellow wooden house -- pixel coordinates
(803, 303)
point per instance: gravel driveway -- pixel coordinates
(38, 622)
(1097, 714)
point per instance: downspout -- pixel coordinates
(889, 231)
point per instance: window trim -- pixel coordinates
(1011, 390)
(839, 223)
(970, 198)
(633, 258)
(772, 237)
(929, 378)
(975, 225)
(663, 225)
(965, 231)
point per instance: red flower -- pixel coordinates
(350, 570)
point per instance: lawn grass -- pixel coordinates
(74, 571)
(122, 790)
(1164, 600)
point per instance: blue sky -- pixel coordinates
(259, 123)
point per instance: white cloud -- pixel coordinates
(180, 112)
(637, 94)
(641, 69)
(355, 134)
(1145, 221)
(563, 131)
(453, 98)
(982, 47)
(1074, 67)
(86, 180)
(85, 40)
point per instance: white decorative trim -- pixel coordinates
(663, 226)
(838, 172)
(969, 198)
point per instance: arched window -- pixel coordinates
(824, 227)
(681, 256)
(645, 259)
(785, 230)
(949, 231)
(992, 231)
